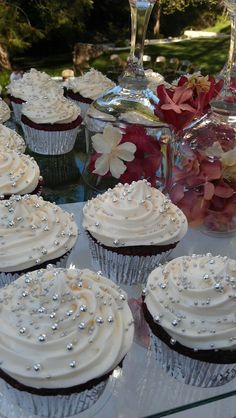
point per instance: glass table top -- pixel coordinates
(141, 388)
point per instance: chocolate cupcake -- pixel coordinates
(60, 341)
(50, 125)
(33, 233)
(34, 84)
(85, 89)
(19, 174)
(190, 307)
(11, 140)
(131, 229)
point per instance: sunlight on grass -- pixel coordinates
(208, 55)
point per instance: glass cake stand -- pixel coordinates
(141, 388)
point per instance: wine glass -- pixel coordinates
(128, 108)
(225, 103)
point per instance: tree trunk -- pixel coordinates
(4, 59)
(156, 29)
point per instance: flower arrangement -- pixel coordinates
(186, 99)
(204, 187)
(128, 154)
(203, 181)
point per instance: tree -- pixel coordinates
(173, 6)
(22, 23)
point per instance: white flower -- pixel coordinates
(113, 154)
(228, 160)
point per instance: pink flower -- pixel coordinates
(200, 190)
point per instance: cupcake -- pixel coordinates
(33, 84)
(87, 88)
(131, 229)
(50, 125)
(19, 174)
(11, 140)
(5, 112)
(60, 341)
(33, 233)
(190, 307)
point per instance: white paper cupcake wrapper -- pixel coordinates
(7, 278)
(58, 406)
(190, 371)
(17, 111)
(124, 269)
(49, 142)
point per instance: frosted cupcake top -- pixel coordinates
(135, 214)
(193, 299)
(90, 85)
(63, 327)
(11, 140)
(51, 110)
(34, 84)
(5, 112)
(33, 231)
(19, 173)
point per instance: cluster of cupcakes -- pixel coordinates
(51, 113)
(188, 302)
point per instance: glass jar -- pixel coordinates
(127, 151)
(126, 141)
(204, 174)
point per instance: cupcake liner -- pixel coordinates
(56, 406)
(191, 371)
(7, 278)
(124, 269)
(17, 107)
(49, 142)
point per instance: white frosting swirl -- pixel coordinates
(19, 173)
(131, 215)
(61, 328)
(90, 85)
(34, 84)
(193, 299)
(5, 112)
(33, 231)
(11, 140)
(51, 110)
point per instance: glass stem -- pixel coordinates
(140, 15)
(232, 48)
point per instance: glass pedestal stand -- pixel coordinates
(126, 140)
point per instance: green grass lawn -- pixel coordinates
(207, 55)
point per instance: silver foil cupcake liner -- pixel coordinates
(124, 269)
(7, 278)
(191, 371)
(17, 107)
(49, 142)
(56, 406)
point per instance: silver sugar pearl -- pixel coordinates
(69, 346)
(37, 367)
(73, 364)
(42, 337)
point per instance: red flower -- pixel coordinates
(179, 105)
(147, 158)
